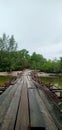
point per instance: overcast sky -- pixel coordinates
(35, 24)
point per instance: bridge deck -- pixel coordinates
(23, 106)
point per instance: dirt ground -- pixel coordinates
(13, 73)
(43, 74)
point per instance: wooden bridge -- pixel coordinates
(23, 106)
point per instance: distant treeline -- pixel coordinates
(12, 59)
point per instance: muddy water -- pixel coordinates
(55, 80)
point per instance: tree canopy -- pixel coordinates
(13, 59)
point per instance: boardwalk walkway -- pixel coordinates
(23, 106)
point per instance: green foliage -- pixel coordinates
(12, 46)
(7, 47)
(11, 59)
(37, 61)
(61, 64)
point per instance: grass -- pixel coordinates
(5, 80)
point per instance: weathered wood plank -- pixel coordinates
(5, 103)
(10, 117)
(23, 115)
(36, 117)
(22, 107)
(6, 93)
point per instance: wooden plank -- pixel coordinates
(36, 117)
(51, 113)
(10, 117)
(6, 103)
(6, 93)
(23, 115)
(56, 90)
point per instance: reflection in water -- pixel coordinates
(55, 80)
